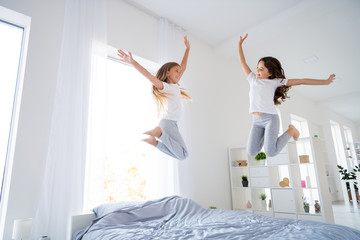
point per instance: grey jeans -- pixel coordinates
(264, 132)
(170, 141)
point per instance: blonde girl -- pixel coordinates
(168, 97)
(269, 87)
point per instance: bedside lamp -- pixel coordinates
(22, 228)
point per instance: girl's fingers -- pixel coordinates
(242, 39)
(121, 52)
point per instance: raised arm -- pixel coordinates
(243, 63)
(129, 59)
(185, 58)
(309, 81)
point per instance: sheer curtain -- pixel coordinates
(171, 49)
(83, 42)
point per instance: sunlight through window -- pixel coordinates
(125, 170)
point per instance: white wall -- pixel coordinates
(40, 73)
(218, 114)
(318, 118)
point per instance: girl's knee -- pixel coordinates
(183, 156)
(270, 153)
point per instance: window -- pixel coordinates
(10, 48)
(14, 32)
(350, 150)
(338, 144)
(301, 124)
(303, 146)
(126, 168)
(281, 127)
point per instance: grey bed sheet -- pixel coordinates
(175, 217)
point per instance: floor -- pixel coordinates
(350, 218)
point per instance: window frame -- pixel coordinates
(22, 21)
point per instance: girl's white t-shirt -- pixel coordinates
(262, 92)
(174, 103)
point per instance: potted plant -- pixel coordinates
(350, 176)
(263, 198)
(245, 182)
(306, 205)
(261, 156)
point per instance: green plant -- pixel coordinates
(349, 175)
(212, 207)
(263, 196)
(260, 156)
(244, 178)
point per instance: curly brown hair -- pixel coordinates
(162, 97)
(274, 67)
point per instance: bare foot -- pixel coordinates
(293, 132)
(156, 132)
(151, 140)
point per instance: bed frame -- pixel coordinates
(80, 221)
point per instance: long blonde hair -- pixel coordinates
(162, 97)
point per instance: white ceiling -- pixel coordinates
(290, 30)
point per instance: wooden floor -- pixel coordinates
(349, 218)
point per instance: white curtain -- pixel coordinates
(83, 42)
(171, 49)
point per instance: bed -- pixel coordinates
(175, 217)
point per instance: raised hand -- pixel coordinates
(242, 39)
(124, 57)
(186, 41)
(330, 79)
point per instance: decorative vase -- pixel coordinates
(306, 208)
(249, 205)
(263, 204)
(269, 203)
(245, 183)
(303, 184)
(317, 206)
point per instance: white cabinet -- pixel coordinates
(283, 200)
(305, 179)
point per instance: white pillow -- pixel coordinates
(107, 208)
